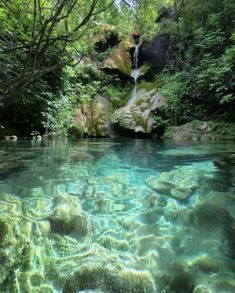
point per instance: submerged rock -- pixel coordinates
(69, 218)
(108, 275)
(215, 223)
(179, 184)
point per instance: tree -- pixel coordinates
(44, 35)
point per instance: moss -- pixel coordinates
(108, 275)
(198, 130)
(148, 86)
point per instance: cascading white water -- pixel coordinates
(135, 73)
(131, 4)
(118, 3)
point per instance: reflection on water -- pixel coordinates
(117, 216)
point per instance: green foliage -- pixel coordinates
(200, 76)
(38, 39)
(146, 16)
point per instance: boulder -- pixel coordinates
(93, 119)
(179, 184)
(156, 51)
(138, 114)
(106, 274)
(68, 218)
(120, 58)
(201, 130)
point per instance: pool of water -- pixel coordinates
(128, 216)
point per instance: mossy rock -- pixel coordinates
(120, 57)
(138, 115)
(3, 231)
(149, 86)
(93, 118)
(202, 130)
(108, 276)
(68, 217)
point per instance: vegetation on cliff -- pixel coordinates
(51, 54)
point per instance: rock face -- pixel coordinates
(202, 130)
(93, 119)
(138, 115)
(155, 52)
(120, 58)
(107, 37)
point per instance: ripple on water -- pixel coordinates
(95, 217)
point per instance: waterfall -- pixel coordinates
(135, 73)
(131, 4)
(118, 3)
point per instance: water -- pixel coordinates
(131, 4)
(135, 74)
(118, 4)
(104, 215)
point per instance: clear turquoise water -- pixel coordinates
(162, 210)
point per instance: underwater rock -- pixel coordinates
(216, 283)
(182, 282)
(3, 231)
(210, 220)
(8, 166)
(169, 183)
(206, 263)
(207, 217)
(15, 246)
(226, 164)
(69, 218)
(105, 274)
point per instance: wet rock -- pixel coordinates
(69, 218)
(155, 51)
(8, 137)
(138, 116)
(120, 58)
(93, 119)
(107, 275)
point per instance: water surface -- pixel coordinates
(102, 215)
